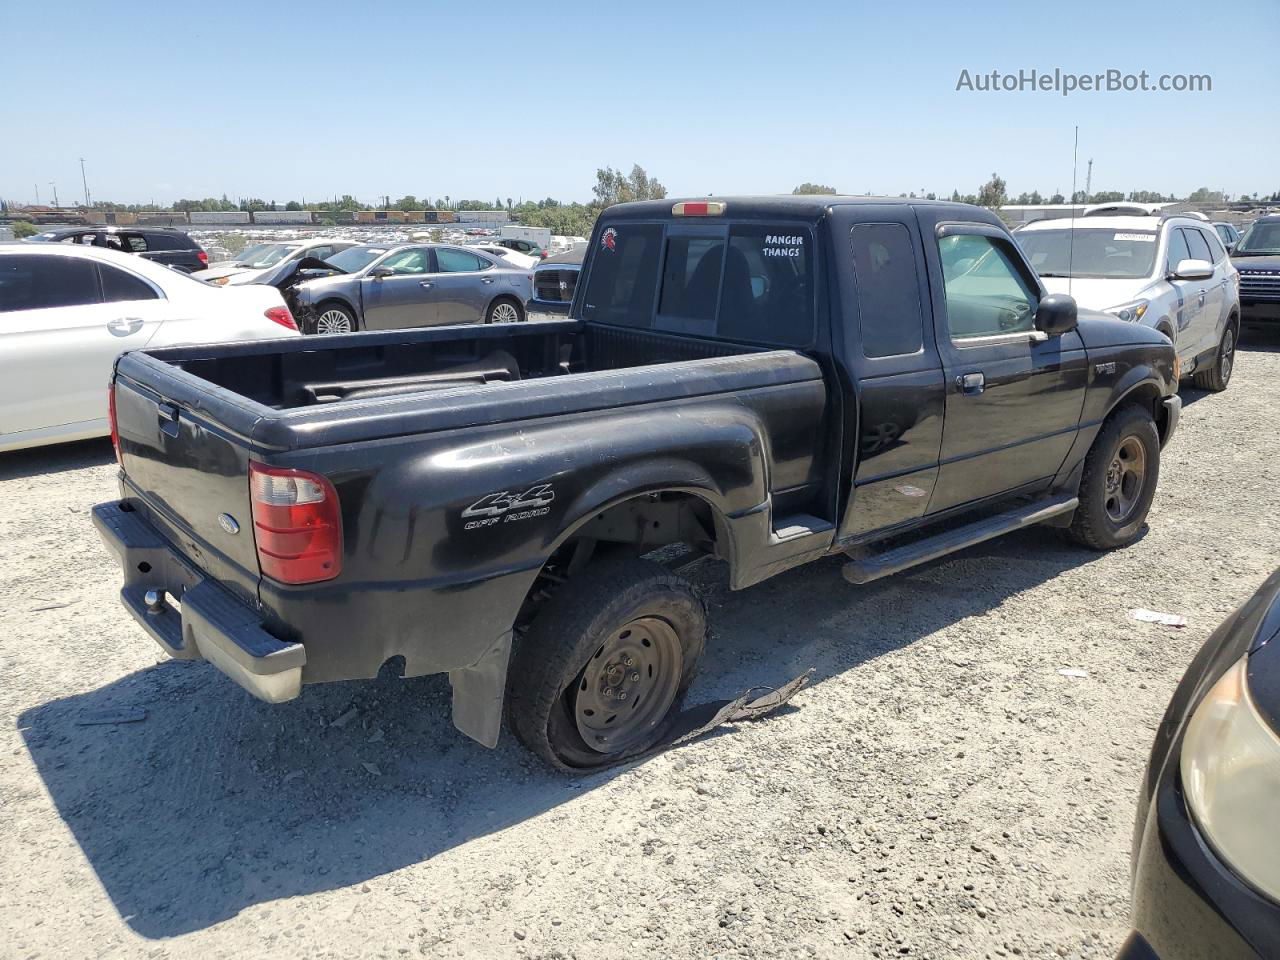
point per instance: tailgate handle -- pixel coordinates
(168, 416)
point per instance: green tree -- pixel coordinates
(1205, 195)
(23, 229)
(612, 186)
(992, 193)
(1057, 198)
(407, 202)
(293, 205)
(813, 188)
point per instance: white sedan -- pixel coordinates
(513, 257)
(252, 262)
(67, 312)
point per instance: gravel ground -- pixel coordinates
(940, 791)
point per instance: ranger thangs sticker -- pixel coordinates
(505, 506)
(777, 245)
(609, 239)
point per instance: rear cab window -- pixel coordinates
(747, 281)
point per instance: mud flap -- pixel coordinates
(478, 692)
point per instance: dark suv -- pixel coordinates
(164, 245)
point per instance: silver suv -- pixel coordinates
(1171, 273)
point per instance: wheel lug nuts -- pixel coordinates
(635, 678)
(609, 692)
(627, 660)
(622, 694)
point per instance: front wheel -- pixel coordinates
(503, 310)
(1216, 377)
(1119, 481)
(334, 318)
(606, 664)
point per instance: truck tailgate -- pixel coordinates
(190, 478)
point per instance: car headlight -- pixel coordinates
(1231, 777)
(1130, 312)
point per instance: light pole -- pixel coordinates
(55, 194)
(85, 181)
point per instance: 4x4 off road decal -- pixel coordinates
(505, 506)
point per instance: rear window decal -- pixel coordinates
(609, 239)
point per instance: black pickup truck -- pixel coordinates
(765, 380)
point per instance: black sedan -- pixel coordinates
(1206, 857)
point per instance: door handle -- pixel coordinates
(486, 280)
(971, 383)
(425, 284)
(167, 416)
(123, 326)
(1202, 296)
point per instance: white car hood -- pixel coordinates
(1097, 294)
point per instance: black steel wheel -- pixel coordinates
(1119, 480)
(605, 665)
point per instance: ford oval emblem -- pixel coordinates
(228, 523)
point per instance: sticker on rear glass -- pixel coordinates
(781, 245)
(1140, 237)
(609, 239)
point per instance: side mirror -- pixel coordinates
(1193, 270)
(377, 273)
(1231, 247)
(1056, 315)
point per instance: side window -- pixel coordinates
(1178, 249)
(320, 253)
(889, 311)
(1196, 243)
(1216, 250)
(35, 283)
(118, 285)
(624, 275)
(691, 279)
(408, 261)
(767, 294)
(449, 260)
(985, 292)
(133, 242)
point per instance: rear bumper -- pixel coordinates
(190, 616)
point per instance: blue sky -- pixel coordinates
(283, 101)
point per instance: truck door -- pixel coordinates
(899, 381)
(1013, 396)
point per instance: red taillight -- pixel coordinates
(202, 257)
(296, 524)
(111, 416)
(282, 316)
(698, 208)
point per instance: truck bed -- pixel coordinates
(289, 393)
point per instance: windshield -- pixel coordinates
(1094, 253)
(262, 255)
(1260, 240)
(355, 258)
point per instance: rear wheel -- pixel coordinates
(334, 318)
(504, 310)
(1217, 375)
(1119, 481)
(606, 664)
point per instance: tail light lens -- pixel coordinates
(282, 316)
(111, 416)
(202, 257)
(297, 526)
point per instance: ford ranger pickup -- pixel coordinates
(767, 381)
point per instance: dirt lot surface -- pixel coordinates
(942, 790)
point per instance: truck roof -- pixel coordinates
(783, 206)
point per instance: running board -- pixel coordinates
(877, 565)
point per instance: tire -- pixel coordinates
(504, 310)
(1111, 514)
(1216, 377)
(625, 632)
(332, 317)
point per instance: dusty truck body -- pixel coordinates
(768, 381)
